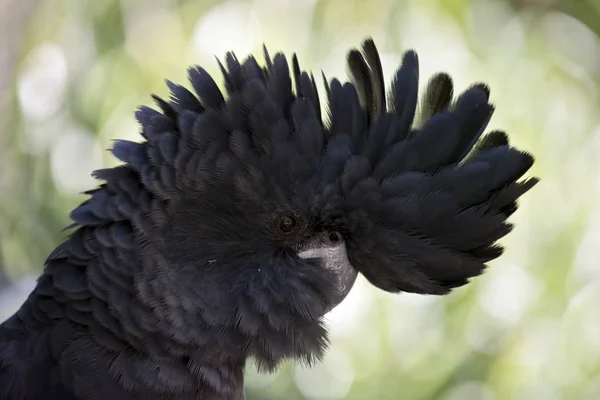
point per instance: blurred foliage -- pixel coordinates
(528, 329)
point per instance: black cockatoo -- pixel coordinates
(242, 219)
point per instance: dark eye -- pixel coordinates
(287, 223)
(335, 237)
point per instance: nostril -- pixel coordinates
(335, 237)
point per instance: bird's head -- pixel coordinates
(259, 238)
(253, 214)
(264, 220)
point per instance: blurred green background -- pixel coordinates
(73, 71)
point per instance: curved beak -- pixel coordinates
(333, 256)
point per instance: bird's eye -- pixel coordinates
(335, 237)
(287, 223)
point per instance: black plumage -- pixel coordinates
(242, 219)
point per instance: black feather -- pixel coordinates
(404, 92)
(186, 260)
(374, 62)
(438, 96)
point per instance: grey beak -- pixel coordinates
(333, 256)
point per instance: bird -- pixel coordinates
(245, 214)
